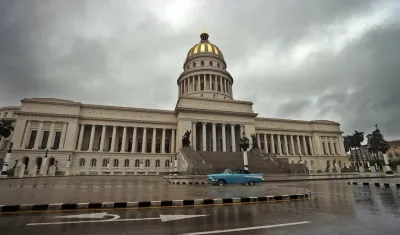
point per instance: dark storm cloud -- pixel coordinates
(293, 59)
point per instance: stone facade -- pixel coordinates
(144, 141)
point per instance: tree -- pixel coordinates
(6, 128)
(377, 143)
(358, 138)
(348, 142)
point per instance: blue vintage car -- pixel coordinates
(234, 176)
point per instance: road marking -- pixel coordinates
(163, 218)
(248, 228)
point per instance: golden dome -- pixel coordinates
(204, 47)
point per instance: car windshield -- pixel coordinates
(227, 171)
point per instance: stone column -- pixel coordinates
(123, 145)
(102, 140)
(144, 141)
(214, 137)
(286, 144)
(204, 136)
(194, 135)
(91, 139)
(279, 144)
(233, 138)
(258, 140)
(38, 136)
(50, 141)
(172, 141)
(153, 141)
(265, 143)
(198, 83)
(80, 140)
(63, 135)
(163, 141)
(272, 144)
(241, 131)
(311, 145)
(193, 83)
(223, 138)
(26, 135)
(298, 145)
(305, 146)
(210, 82)
(134, 139)
(292, 145)
(114, 136)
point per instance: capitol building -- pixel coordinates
(98, 139)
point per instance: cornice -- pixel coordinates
(51, 101)
(25, 113)
(10, 108)
(216, 112)
(298, 130)
(93, 106)
(325, 122)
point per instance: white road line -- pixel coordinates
(248, 228)
(90, 221)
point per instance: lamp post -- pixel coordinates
(170, 166)
(176, 165)
(108, 166)
(244, 145)
(6, 160)
(141, 166)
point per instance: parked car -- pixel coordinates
(234, 176)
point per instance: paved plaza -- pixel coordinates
(336, 208)
(122, 188)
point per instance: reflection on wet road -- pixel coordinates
(337, 208)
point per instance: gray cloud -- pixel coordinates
(321, 59)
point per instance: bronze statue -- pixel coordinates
(186, 139)
(254, 140)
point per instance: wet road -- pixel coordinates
(122, 188)
(337, 208)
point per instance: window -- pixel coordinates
(5, 114)
(116, 162)
(82, 162)
(130, 145)
(167, 163)
(195, 87)
(126, 163)
(219, 87)
(119, 144)
(201, 95)
(334, 146)
(212, 86)
(194, 65)
(218, 65)
(211, 63)
(202, 63)
(187, 67)
(323, 147)
(329, 148)
(105, 162)
(139, 145)
(109, 143)
(137, 163)
(202, 86)
(94, 162)
(148, 146)
(57, 140)
(32, 139)
(157, 163)
(147, 164)
(158, 146)
(166, 146)
(44, 139)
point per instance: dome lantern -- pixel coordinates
(204, 36)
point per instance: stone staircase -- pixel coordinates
(204, 162)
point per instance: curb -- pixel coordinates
(378, 185)
(149, 204)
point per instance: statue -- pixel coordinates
(186, 139)
(254, 140)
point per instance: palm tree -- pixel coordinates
(347, 146)
(358, 138)
(6, 128)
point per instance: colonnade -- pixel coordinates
(202, 82)
(41, 138)
(139, 139)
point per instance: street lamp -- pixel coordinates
(244, 145)
(6, 160)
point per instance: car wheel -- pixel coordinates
(221, 182)
(251, 183)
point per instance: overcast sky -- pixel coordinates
(313, 59)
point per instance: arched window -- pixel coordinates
(157, 163)
(147, 164)
(218, 65)
(94, 162)
(211, 63)
(25, 160)
(82, 162)
(39, 162)
(194, 64)
(105, 162)
(202, 63)
(167, 163)
(116, 162)
(126, 162)
(137, 163)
